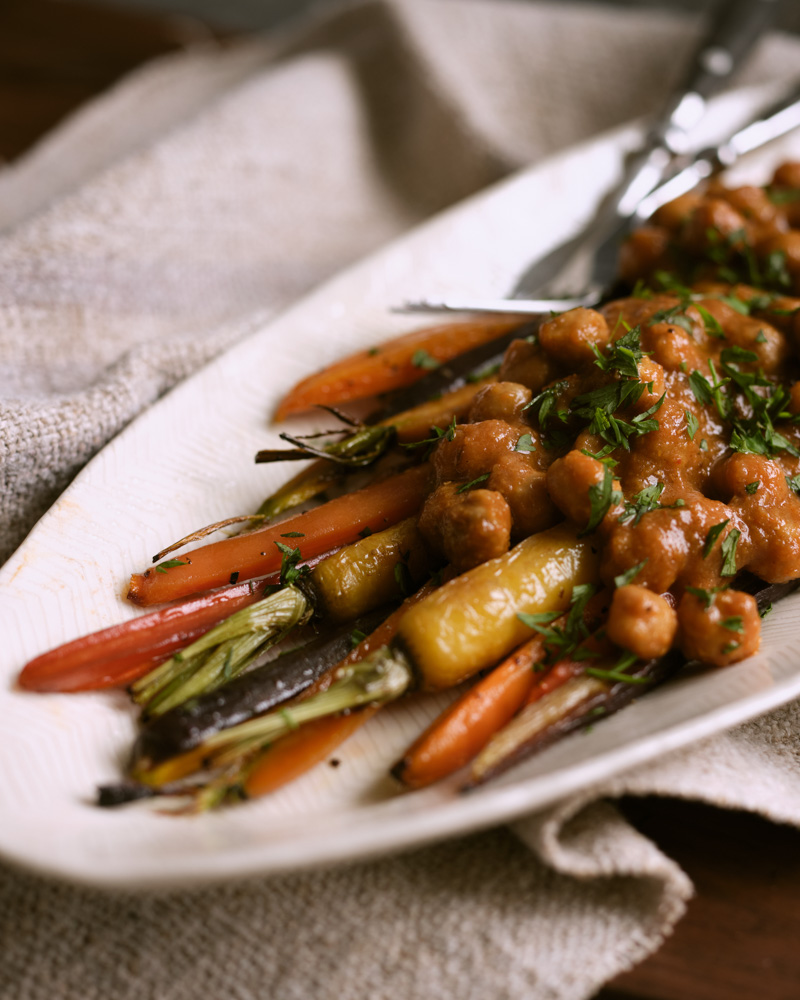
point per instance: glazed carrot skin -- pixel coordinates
(244, 557)
(457, 735)
(295, 754)
(391, 365)
(118, 655)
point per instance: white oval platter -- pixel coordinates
(187, 461)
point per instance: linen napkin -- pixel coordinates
(138, 241)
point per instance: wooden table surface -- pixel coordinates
(741, 937)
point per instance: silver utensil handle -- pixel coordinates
(733, 32)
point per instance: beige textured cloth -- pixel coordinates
(137, 241)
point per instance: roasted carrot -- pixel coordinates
(255, 554)
(117, 655)
(394, 364)
(297, 753)
(463, 729)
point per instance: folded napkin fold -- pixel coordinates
(138, 241)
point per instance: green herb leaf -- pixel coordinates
(713, 535)
(692, 424)
(629, 575)
(734, 624)
(171, 564)
(474, 482)
(752, 487)
(290, 572)
(357, 637)
(729, 553)
(601, 497)
(421, 359)
(525, 444)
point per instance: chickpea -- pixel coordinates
(473, 450)
(771, 511)
(752, 202)
(645, 250)
(525, 491)
(650, 374)
(569, 480)
(641, 621)
(714, 222)
(787, 175)
(571, 336)
(721, 629)
(787, 244)
(524, 362)
(675, 213)
(467, 528)
(500, 401)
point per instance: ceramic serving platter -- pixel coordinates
(188, 461)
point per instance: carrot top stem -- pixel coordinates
(222, 653)
(360, 447)
(383, 676)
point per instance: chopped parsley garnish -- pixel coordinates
(692, 424)
(752, 487)
(617, 673)
(473, 482)
(729, 647)
(525, 444)
(734, 624)
(421, 359)
(710, 322)
(629, 575)
(402, 575)
(171, 564)
(623, 355)
(357, 637)
(706, 596)
(601, 496)
(290, 571)
(437, 434)
(645, 501)
(793, 482)
(713, 535)
(293, 534)
(564, 641)
(729, 553)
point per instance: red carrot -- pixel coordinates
(117, 655)
(391, 365)
(243, 557)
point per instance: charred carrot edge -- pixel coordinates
(243, 557)
(392, 365)
(123, 652)
(469, 723)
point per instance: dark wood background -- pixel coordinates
(741, 937)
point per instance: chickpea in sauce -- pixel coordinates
(665, 424)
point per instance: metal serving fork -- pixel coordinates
(588, 261)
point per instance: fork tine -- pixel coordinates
(523, 307)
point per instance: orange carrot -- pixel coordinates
(391, 365)
(301, 750)
(463, 730)
(243, 557)
(117, 655)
